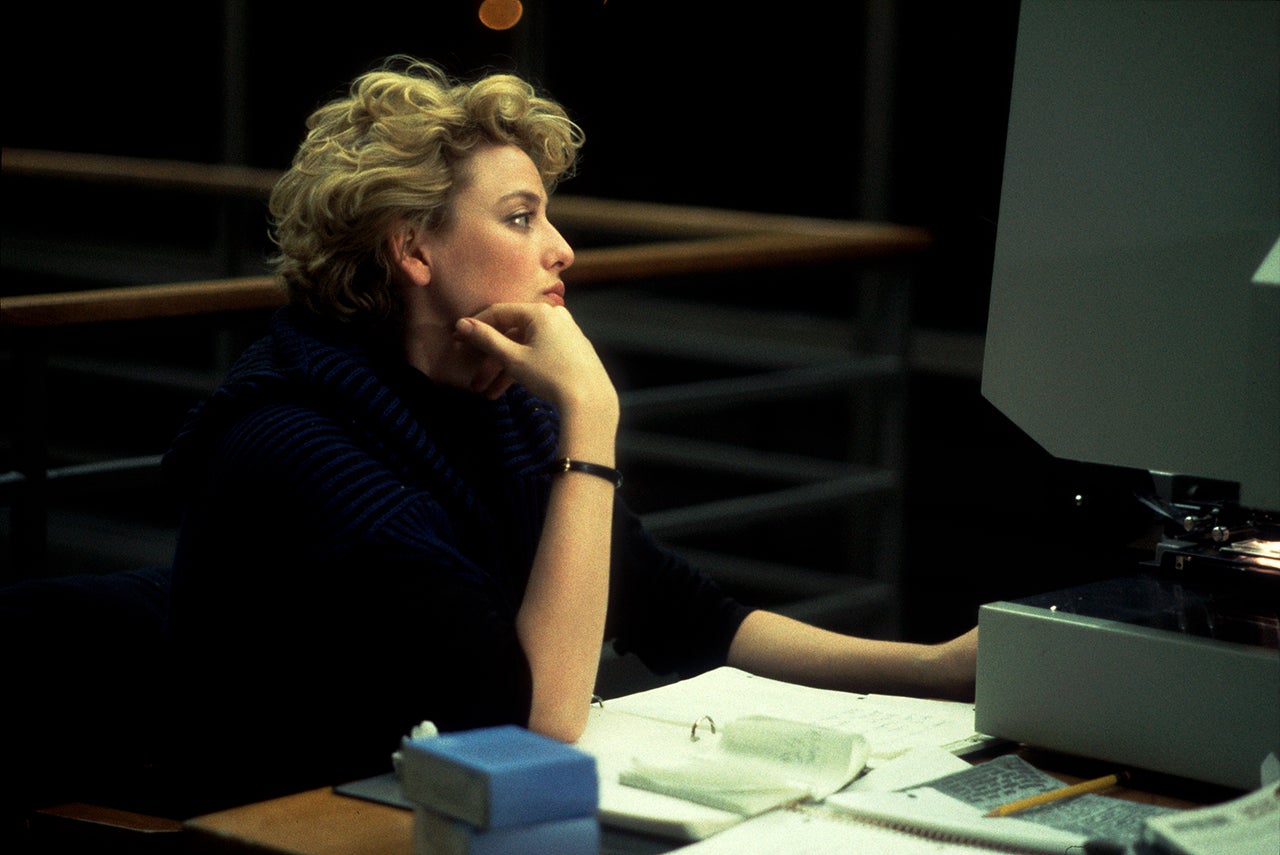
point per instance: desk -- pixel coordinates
(322, 822)
(317, 822)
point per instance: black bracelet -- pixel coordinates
(566, 464)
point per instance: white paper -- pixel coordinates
(751, 765)
(817, 831)
(934, 813)
(892, 725)
(612, 740)
(909, 769)
(1248, 825)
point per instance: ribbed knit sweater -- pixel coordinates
(355, 545)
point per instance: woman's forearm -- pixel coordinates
(561, 620)
(560, 623)
(772, 645)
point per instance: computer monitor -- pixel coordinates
(1134, 317)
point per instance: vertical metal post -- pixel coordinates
(29, 513)
(884, 311)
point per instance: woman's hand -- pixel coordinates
(541, 347)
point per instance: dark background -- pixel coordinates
(756, 106)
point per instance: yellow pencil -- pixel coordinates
(1064, 793)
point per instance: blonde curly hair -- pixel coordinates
(388, 154)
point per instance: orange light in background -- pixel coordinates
(500, 14)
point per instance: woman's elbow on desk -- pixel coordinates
(566, 725)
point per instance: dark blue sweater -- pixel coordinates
(355, 546)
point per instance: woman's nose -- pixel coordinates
(561, 253)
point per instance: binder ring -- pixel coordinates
(693, 732)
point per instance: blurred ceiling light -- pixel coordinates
(500, 14)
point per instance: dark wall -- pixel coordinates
(756, 106)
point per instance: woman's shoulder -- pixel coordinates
(312, 459)
(286, 433)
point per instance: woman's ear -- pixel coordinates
(408, 257)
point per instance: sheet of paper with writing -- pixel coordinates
(1006, 779)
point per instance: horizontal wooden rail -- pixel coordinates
(139, 302)
(605, 264)
(202, 178)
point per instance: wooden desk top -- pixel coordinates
(317, 822)
(323, 822)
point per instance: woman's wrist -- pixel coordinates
(593, 407)
(589, 430)
(949, 668)
(569, 464)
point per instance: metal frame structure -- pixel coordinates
(632, 310)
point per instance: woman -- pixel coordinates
(402, 503)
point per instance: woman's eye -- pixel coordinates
(522, 219)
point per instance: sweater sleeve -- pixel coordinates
(675, 618)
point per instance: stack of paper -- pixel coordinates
(693, 758)
(753, 764)
(499, 791)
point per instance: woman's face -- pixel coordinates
(498, 245)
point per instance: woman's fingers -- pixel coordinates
(541, 347)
